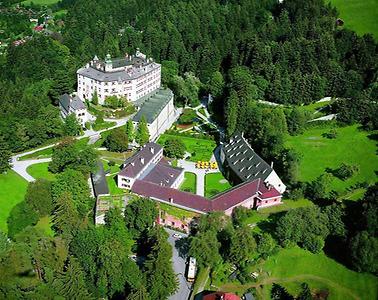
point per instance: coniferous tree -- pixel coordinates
(142, 135)
(5, 156)
(130, 130)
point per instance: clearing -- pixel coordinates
(13, 189)
(359, 15)
(351, 145)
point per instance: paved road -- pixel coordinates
(179, 265)
(21, 166)
(200, 173)
(325, 118)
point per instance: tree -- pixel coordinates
(305, 294)
(161, 279)
(70, 154)
(243, 246)
(265, 244)
(319, 188)
(38, 197)
(142, 135)
(71, 283)
(216, 84)
(117, 140)
(205, 248)
(174, 148)
(296, 121)
(95, 98)
(20, 217)
(138, 294)
(5, 156)
(66, 218)
(140, 216)
(280, 293)
(75, 184)
(72, 126)
(232, 112)
(130, 130)
(364, 252)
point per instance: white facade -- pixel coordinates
(276, 182)
(162, 122)
(69, 105)
(131, 77)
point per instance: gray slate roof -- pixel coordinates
(99, 182)
(67, 102)
(120, 75)
(244, 161)
(152, 104)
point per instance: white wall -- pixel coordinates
(275, 181)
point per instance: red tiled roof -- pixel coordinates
(221, 202)
(218, 295)
(152, 190)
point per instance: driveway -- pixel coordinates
(179, 266)
(200, 173)
(20, 166)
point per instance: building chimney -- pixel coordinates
(271, 164)
(152, 150)
(170, 200)
(142, 160)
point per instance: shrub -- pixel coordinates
(88, 125)
(345, 171)
(111, 163)
(332, 134)
(174, 148)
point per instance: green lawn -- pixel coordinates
(39, 154)
(215, 183)
(40, 2)
(13, 189)
(40, 171)
(114, 156)
(351, 146)
(296, 265)
(176, 212)
(103, 125)
(200, 149)
(359, 15)
(293, 266)
(189, 183)
(113, 188)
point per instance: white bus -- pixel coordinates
(191, 270)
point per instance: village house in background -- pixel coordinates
(73, 105)
(131, 77)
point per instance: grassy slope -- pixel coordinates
(40, 171)
(189, 183)
(318, 153)
(12, 191)
(299, 265)
(200, 149)
(291, 267)
(40, 2)
(213, 184)
(359, 15)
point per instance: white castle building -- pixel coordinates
(131, 77)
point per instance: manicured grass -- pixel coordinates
(40, 2)
(351, 146)
(103, 125)
(299, 265)
(290, 267)
(359, 15)
(115, 156)
(200, 149)
(215, 183)
(45, 153)
(260, 216)
(176, 212)
(189, 183)
(40, 171)
(12, 191)
(113, 188)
